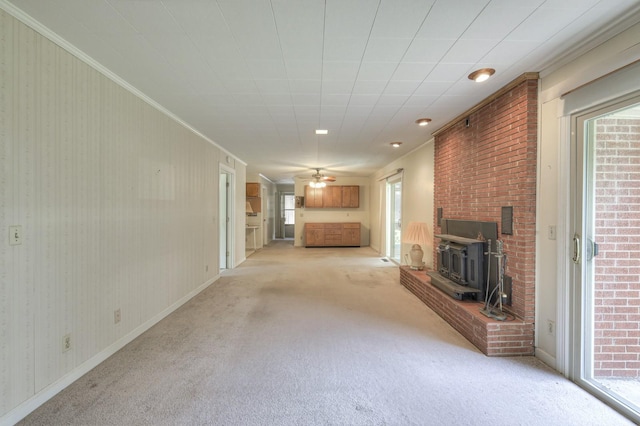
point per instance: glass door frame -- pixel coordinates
(582, 300)
(392, 218)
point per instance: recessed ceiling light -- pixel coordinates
(423, 121)
(481, 75)
(396, 144)
(322, 132)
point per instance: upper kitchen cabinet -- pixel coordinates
(332, 196)
(350, 196)
(253, 189)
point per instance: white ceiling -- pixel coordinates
(257, 77)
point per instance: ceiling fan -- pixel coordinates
(319, 180)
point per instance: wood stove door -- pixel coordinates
(606, 359)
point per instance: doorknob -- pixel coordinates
(576, 248)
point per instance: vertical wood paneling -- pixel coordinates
(117, 202)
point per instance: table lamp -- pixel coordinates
(417, 234)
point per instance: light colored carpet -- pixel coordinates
(299, 336)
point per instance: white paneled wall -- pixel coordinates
(117, 203)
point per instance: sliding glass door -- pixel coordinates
(394, 218)
(606, 253)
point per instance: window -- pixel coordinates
(289, 209)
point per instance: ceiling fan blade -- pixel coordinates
(328, 178)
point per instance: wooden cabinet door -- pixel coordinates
(351, 234)
(253, 189)
(350, 196)
(312, 197)
(313, 235)
(332, 234)
(332, 196)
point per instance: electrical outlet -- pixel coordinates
(551, 232)
(66, 342)
(551, 327)
(116, 316)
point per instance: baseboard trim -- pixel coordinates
(31, 404)
(545, 357)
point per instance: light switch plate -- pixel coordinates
(15, 235)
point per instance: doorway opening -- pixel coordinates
(226, 224)
(286, 229)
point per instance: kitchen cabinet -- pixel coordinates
(253, 189)
(332, 197)
(312, 197)
(350, 196)
(340, 234)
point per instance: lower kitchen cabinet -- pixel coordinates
(340, 234)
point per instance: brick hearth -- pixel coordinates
(493, 338)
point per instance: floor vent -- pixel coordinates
(384, 260)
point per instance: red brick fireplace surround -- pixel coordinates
(486, 160)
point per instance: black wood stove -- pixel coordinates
(461, 262)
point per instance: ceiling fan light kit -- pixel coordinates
(318, 180)
(317, 184)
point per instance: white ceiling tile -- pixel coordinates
(369, 87)
(531, 30)
(449, 19)
(508, 51)
(400, 18)
(498, 19)
(337, 86)
(147, 17)
(412, 71)
(402, 87)
(299, 27)
(241, 86)
(392, 99)
(449, 72)
(331, 110)
(354, 110)
(200, 18)
(267, 70)
(423, 101)
(335, 99)
(386, 49)
(305, 99)
(304, 70)
(305, 86)
(357, 99)
(340, 70)
(247, 99)
(273, 86)
(469, 50)
(353, 18)
(344, 48)
(277, 98)
(428, 50)
(377, 70)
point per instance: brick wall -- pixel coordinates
(491, 164)
(617, 230)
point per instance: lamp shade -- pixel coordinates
(417, 234)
